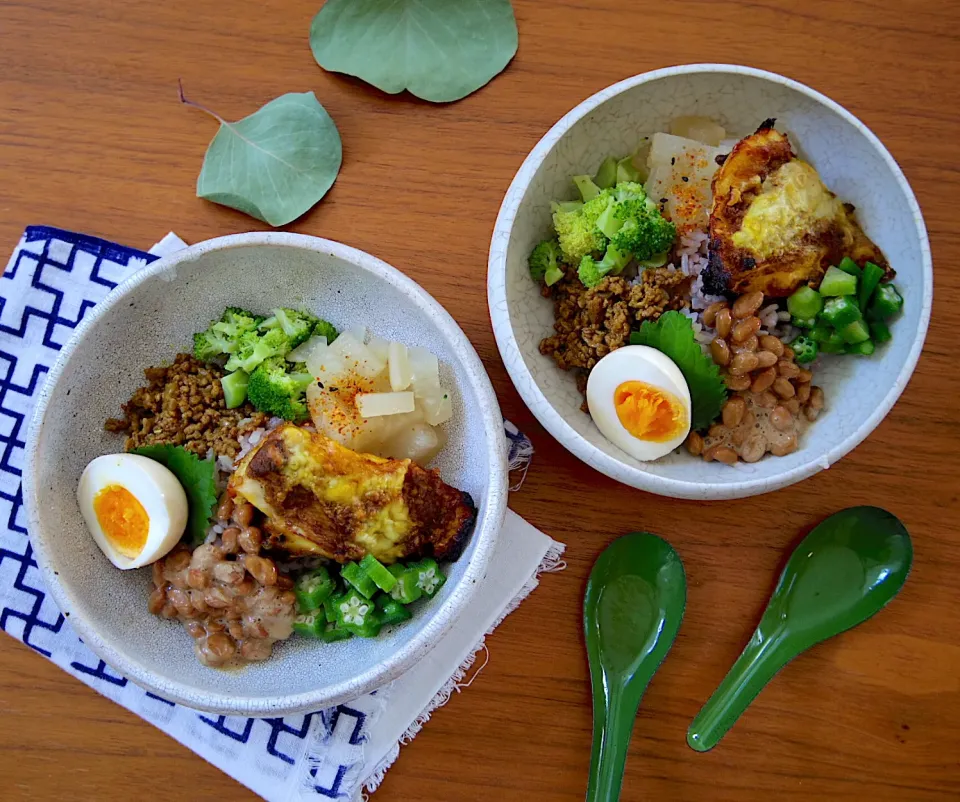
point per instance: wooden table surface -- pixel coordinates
(92, 139)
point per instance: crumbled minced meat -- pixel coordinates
(183, 405)
(590, 323)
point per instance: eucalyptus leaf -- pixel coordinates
(441, 50)
(275, 164)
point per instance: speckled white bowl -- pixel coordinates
(853, 163)
(144, 322)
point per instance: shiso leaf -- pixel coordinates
(672, 333)
(275, 164)
(198, 477)
(441, 50)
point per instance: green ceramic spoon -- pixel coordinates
(631, 613)
(842, 573)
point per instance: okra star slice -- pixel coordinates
(309, 625)
(406, 591)
(330, 607)
(312, 589)
(429, 577)
(392, 611)
(332, 633)
(358, 615)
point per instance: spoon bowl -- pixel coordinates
(845, 571)
(632, 611)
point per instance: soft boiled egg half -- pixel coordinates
(640, 401)
(135, 508)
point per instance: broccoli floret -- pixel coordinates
(648, 237)
(255, 347)
(325, 329)
(577, 228)
(629, 190)
(236, 322)
(223, 336)
(543, 262)
(298, 326)
(634, 225)
(591, 272)
(209, 344)
(278, 388)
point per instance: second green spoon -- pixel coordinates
(842, 573)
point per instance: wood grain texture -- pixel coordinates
(92, 139)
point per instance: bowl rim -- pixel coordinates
(485, 536)
(544, 411)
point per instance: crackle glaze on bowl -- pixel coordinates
(146, 321)
(852, 162)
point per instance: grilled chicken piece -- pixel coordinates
(774, 225)
(323, 499)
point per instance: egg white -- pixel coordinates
(634, 363)
(154, 486)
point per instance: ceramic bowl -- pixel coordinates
(852, 162)
(146, 321)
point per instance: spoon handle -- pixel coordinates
(613, 718)
(760, 661)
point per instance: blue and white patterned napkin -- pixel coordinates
(52, 279)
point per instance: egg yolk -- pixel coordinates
(123, 519)
(649, 413)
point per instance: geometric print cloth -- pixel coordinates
(52, 279)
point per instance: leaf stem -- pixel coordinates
(187, 102)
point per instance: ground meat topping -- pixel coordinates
(183, 405)
(590, 323)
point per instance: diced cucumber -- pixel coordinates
(847, 265)
(805, 303)
(856, 332)
(606, 176)
(835, 282)
(588, 189)
(234, 388)
(626, 171)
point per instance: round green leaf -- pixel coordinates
(441, 50)
(275, 164)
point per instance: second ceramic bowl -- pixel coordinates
(852, 162)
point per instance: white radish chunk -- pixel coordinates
(400, 373)
(379, 347)
(373, 405)
(304, 351)
(341, 421)
(418, 442)
(701, 129)
(426, 371)
(356, 356)
(437, 408)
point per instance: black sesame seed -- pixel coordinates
(684, 179)
(673, 160)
